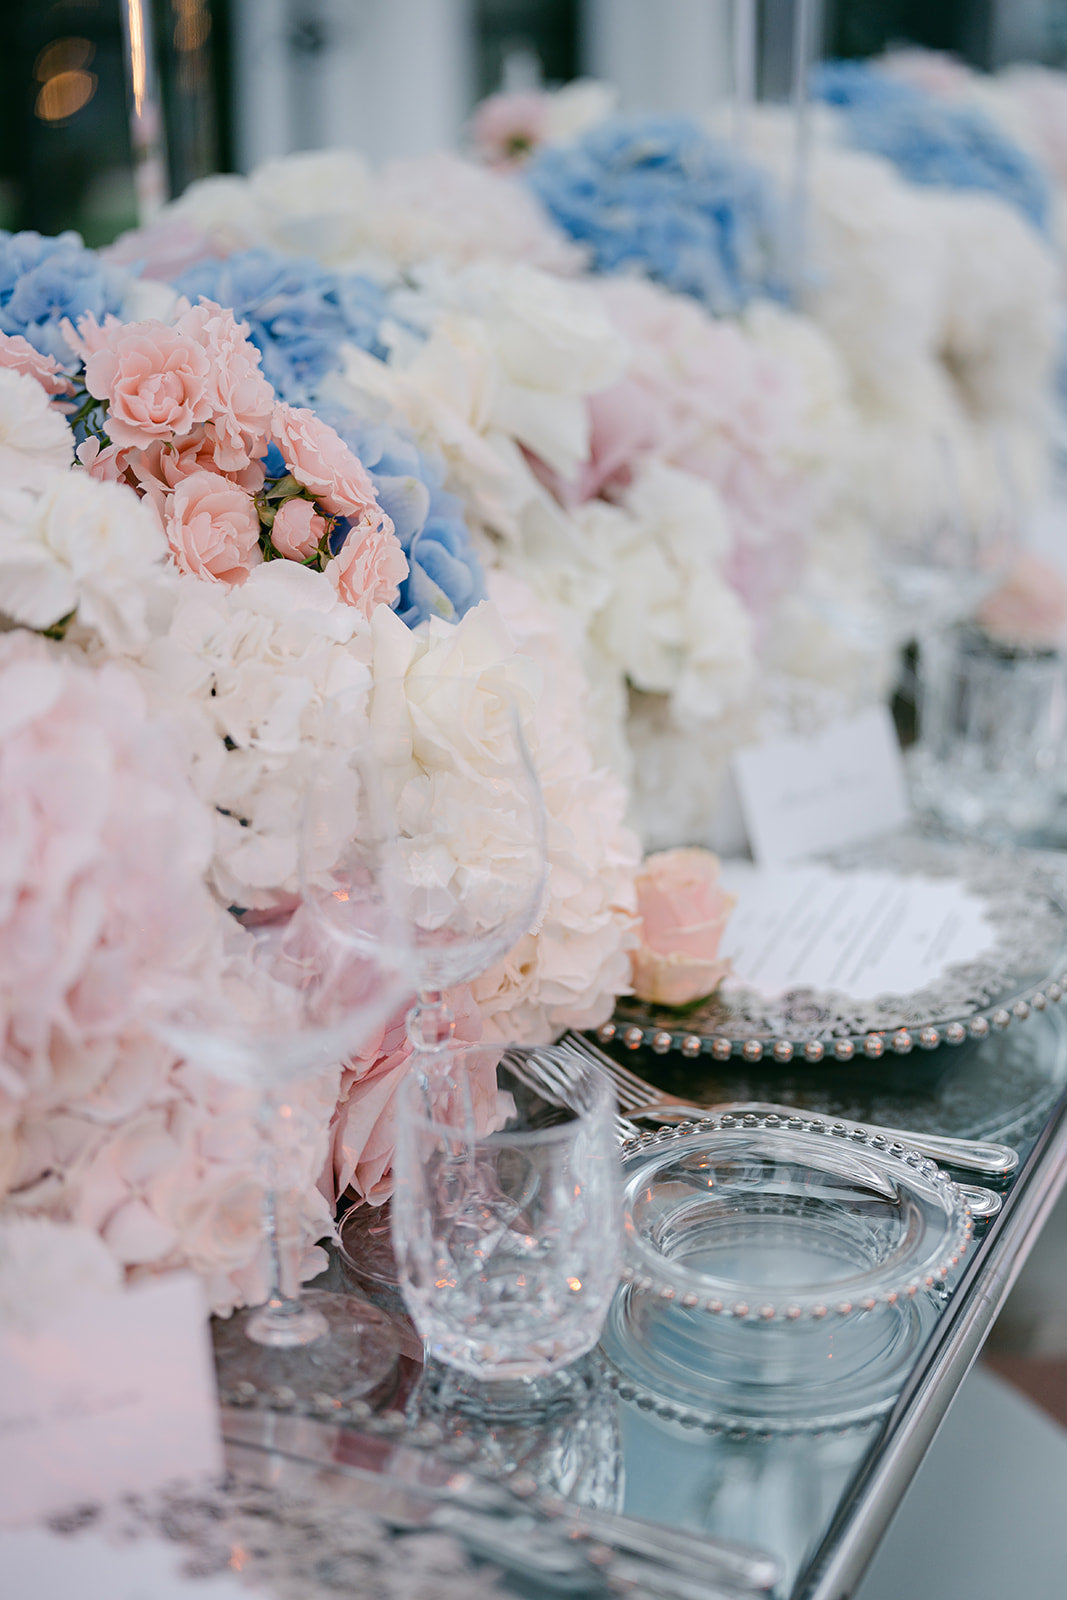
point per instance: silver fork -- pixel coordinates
(633, 1095)
(542, 1073)
(640, 1098)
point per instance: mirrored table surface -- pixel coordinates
(817, 1500)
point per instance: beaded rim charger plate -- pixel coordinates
(780, 1273)
(1023, 971)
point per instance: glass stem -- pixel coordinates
(283, 1320)
(431, 1021)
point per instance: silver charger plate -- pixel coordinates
(1024, 971)
(780, 1275)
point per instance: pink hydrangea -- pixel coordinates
(318, 458)
(364, 1126)
(163, 250)
(103, 851)
(17, 353)
(157, 380)
(706, 396)
(212, 528)
(371, 565)
(180, 1183)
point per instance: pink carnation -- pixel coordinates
(242, 400)
(298, 529)
(318, 458)
(158, 469)
(18, 353)
(109, 465)
(213, 528)
(157, 381)
(683, 912)
(371, 565)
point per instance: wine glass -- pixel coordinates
(302, 985)
(941, 560)
(471, 832)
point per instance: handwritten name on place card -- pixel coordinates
(801, 796)
(116, 1397)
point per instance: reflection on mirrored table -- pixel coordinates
(813, 1497)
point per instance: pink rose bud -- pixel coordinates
(683, 911)
(1029, 610)
(297, 529)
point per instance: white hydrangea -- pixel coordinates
(266, 677)
(315, 203)
(442, 207)
(567, 974)
(329, 205)
(82, 549)
(670, 623)
(35, 440)
(539, 346)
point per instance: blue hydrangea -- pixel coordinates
(445, 577)
(929, 141)
(659, 196)
(299, 313)
(43, 280)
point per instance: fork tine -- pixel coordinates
(632, 1090)
(520, 1064)
(544, 1074)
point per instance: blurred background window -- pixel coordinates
(240, 81)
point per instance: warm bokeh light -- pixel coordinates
(64, 94)
(192, 25)
(63, 55)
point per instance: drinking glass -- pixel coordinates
(991, 720)
(471, 833)
(506, 1221)
(940, 561)
(302, 985)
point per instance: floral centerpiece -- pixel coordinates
(221, 588)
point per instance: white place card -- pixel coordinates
(861, 934)
(40, 1565)
(116, 1396)
(804, 795)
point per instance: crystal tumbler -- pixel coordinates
(506, 1214)
(991, 722)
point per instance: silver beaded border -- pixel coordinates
(872, 1046)
(724, 1425)
(643, 1281)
